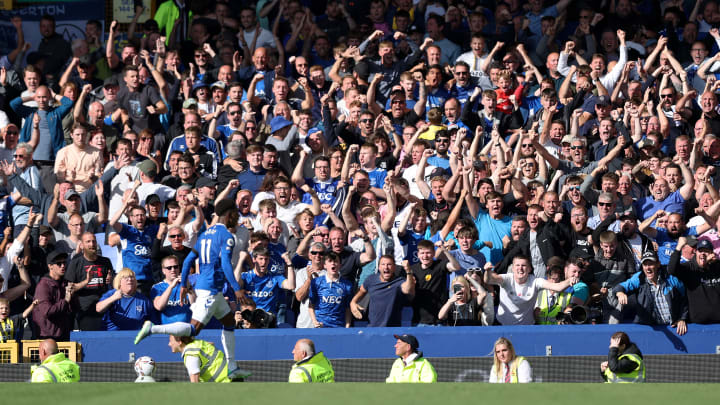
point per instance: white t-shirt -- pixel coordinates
(265, 38)
(524, 373)
(409, 175)
(517, 301)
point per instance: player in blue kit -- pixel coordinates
(213, 250)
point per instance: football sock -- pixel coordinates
(176, 328)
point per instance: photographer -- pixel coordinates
(250, 317)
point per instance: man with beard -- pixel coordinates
(580, 234)
(630, 240)
(700, 276)
(288, 209)
(667, 238)
(90, 275)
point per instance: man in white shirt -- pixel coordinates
(252, 30)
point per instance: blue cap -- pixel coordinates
(704, 244)
(198, 85)
(278, 122)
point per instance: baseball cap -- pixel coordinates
(704, 244)
(44, 230)
(199, 85)
(205, 182)
(190, 103)
(567, 139)
(56, 256)
(148, 168)
(71, 193)
(629, 214)
(224, 206)
(110, 81)
(580, 252)
(219, 84)
(409, 339)
(692, 241)
(649, 256)
(602, 101)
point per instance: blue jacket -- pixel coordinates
(55, 116)
(673, 290)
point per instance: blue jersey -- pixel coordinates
(325, 191)
(175, 311)
(227, 292)
(377, 177)
(265, 290)
(225, 132)
(330, 299)
(667, 245)
(128, 313)
(214, 251)
(136, 255)
(277, 263)
(409, 241)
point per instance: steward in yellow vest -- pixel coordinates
(54, 366)
(411, 367)
(203, 361)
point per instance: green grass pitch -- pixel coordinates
(359, 393)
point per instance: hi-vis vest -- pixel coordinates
(7, 330)
(418, 371)
(635, 376)
(548, 315)
(56, 368)
(513, 370)
(316, 369)
(213, 365)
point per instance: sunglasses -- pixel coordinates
(604, 204)
(526, 145)
(201, 55)
(316, 253)
(19, 156)
(666, 95)
(575, 188)
(175, 236)
(13, 133)
(233, 112)
(175, 267)
(442, 140)
(577, 147)
(366, 120)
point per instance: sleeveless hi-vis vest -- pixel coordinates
(635, 376)
(213, 364)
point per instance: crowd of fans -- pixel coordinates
(479, 162)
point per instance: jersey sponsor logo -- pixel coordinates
(139, 308)
(332, 299)
(262, 294)
(141, 250)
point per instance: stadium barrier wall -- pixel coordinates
(435, 342)
(692, 368)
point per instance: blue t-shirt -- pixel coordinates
(386, 300)
(175, 311)
(330, 299)
(214, 251)
(136, 255)
(127, 313)
(647, 206)
(492, 230)
(250, 180)
(667, 245)
(265, 290)
(476, 261)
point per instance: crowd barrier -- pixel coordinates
(435, 342)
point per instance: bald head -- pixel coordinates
(303, 348)
(42, 97)
(47, 348)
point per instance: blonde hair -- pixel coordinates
(466, 293)
(124, 273)
(497, 364)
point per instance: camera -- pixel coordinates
(259, 319)
(580, 314)
(457, 288)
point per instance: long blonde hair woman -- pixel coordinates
(507, 366)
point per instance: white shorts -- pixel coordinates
(207, 306)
